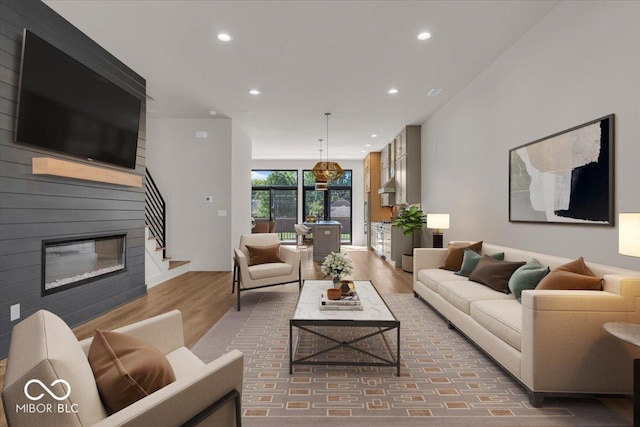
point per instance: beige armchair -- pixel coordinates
(248, 277)
(44, 348)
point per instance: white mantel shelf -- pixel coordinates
(57, 167)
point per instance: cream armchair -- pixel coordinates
(44, 348)
(249, 277)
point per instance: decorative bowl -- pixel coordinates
(334, 293)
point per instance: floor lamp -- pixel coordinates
(629, 244)
(438, 222)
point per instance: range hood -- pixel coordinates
(388, 187)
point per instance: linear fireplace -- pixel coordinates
(67, 263)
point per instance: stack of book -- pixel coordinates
(350, 303)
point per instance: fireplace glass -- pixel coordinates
(69, 263)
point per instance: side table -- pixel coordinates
(630, 332)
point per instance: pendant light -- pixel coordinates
(321, 183)
(326, 171)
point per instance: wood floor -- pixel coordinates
(204, 297)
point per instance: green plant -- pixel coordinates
(411, 221)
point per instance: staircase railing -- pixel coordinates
(155, 212)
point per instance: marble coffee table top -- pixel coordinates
(308, 307)
(629, 332)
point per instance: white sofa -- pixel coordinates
(554, 342)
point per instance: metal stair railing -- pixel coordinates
(155, 212)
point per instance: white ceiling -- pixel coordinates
(307, 58)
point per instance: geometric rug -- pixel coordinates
(444, 379)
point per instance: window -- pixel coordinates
(274, 197)
(333, 204)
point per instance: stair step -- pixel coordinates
(160, 248)
(166, 258)
(175, 264)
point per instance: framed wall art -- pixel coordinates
(564, 178)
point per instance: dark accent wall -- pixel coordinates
(38, 207)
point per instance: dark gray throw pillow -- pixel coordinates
(494, 273)
(470, 260)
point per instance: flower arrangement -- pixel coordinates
(335, 265)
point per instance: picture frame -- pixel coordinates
(565, 178)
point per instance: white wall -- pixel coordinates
(357, 194)
(240, 185)
(581, 62)
(186, 170)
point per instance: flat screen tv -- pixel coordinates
(65, 106)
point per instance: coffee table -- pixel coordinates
(375, 315)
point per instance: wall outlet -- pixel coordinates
(208, 199)
(15, 312)
(222, 212)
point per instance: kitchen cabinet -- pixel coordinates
(407, 166)
(389, 242)
(374, 211)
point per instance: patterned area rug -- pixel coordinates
(444, 381)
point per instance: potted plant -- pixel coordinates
(410, 221)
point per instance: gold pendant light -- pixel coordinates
(326, 171)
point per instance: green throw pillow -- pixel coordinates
(527, 277)
(470, 260)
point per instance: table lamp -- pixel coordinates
(438, 222)
(629, 237)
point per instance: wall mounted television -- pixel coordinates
(65, 106)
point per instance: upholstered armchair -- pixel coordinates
(44, 348)
(248, 275)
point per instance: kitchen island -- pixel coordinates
(326, 238)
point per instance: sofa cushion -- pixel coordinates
(527, 277)
(495, 273)
(263, 254)
(462, 293)
(273, 269)
(431, 277)
(574, 275)
(503, 318)
(470, 260)
(455, 254)
(127, 368)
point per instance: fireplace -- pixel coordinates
(67, 263)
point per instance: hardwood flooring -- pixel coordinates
(204, 297)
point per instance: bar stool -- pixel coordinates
(301, 233)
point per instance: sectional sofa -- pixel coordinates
(553, 341)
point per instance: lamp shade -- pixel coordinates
(438, 221)
(629, 238)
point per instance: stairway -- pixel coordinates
(157, 268)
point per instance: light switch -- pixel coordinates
(222, 212)
(15, 312)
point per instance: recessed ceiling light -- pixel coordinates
(254, 92)
(392, 91)
(373, 135)
(363, 151)
(367, 145)
(424, 36)
(434, 92)
(224, 37)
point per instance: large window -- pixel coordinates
(331, 205)
(274, 198)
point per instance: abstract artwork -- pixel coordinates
(564, 178)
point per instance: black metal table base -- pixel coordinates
(379, 360)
